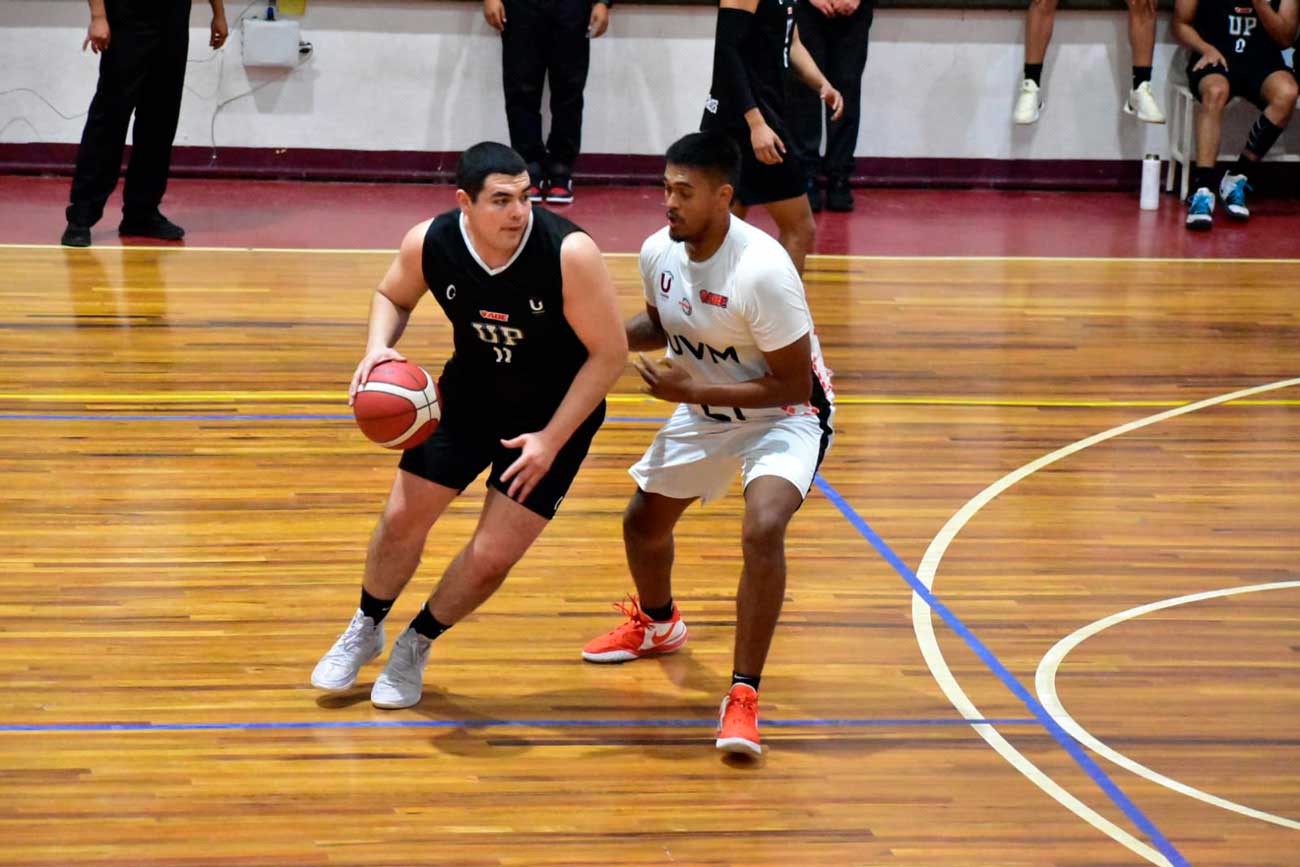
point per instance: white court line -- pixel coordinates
(1045, 684)
(923, 625)
(824, 257)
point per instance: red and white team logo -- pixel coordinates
(498, 317)
(686, 306)
(713, 298)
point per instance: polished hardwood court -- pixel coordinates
(186, 505)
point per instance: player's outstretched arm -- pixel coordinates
(811, 75)
(390, 307)
(591, 308)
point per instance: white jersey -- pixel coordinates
(722, 314)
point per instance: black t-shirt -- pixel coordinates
(766, 53)
(515, 353)
(1234, 29)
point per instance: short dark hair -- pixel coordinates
(483, 159)
(711, 151)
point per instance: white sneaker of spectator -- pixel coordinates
(1142, 102)
(1029, 103)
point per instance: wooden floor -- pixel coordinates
(185, 508)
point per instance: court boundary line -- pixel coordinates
(1045, 686)
(1167, 854)
(335, 397)
(819, 257)
(703, 722)
(923, 625)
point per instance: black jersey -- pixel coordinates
(515, 353)
(766, 53)
(1234, 29)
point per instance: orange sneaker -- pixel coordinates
(639, 636)
(738, 721)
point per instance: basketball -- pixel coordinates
(398, 406)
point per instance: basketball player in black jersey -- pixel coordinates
(538, 342)
(756, 43)
(1236, 48)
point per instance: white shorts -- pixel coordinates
(694, 457)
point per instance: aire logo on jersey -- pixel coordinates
(498, 317)
(713, 298)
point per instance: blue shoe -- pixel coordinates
(1200, 212)
(1233, 189)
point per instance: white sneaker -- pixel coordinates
(361, 642)
(401, 683)
(1142, 102)
(1232, 189)
(1029, 103)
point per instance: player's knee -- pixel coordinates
(1214, 94)
(1142, 10)
(638, 521)
(489, 563)
(764, 530)
(402, 524)
(805, 229)
(1283, 102)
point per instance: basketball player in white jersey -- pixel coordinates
(745, 368)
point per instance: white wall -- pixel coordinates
(422, 75)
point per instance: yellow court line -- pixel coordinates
(338, 397)
(846, 257)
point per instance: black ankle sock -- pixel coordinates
(1141, 74)
(1203, 177)
(1034, 72)
(427, 625)
(374, 607)
(661, 614)
(1243, 166)
(747, 679)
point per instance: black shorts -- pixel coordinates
(761, 183)
(1245, 75)
(461, 448)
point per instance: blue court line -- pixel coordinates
(1009, 680)
(496, 723)
(235, 416)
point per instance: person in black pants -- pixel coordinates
(541, 38)
(835, 34)
(142, 46)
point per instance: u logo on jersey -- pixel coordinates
(665, 282)
(536, 305)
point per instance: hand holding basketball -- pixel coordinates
(369, 363)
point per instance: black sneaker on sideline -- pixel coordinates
(75, 236)
(839, 196)
(153, 225)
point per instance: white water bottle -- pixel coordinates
(1150, 197)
